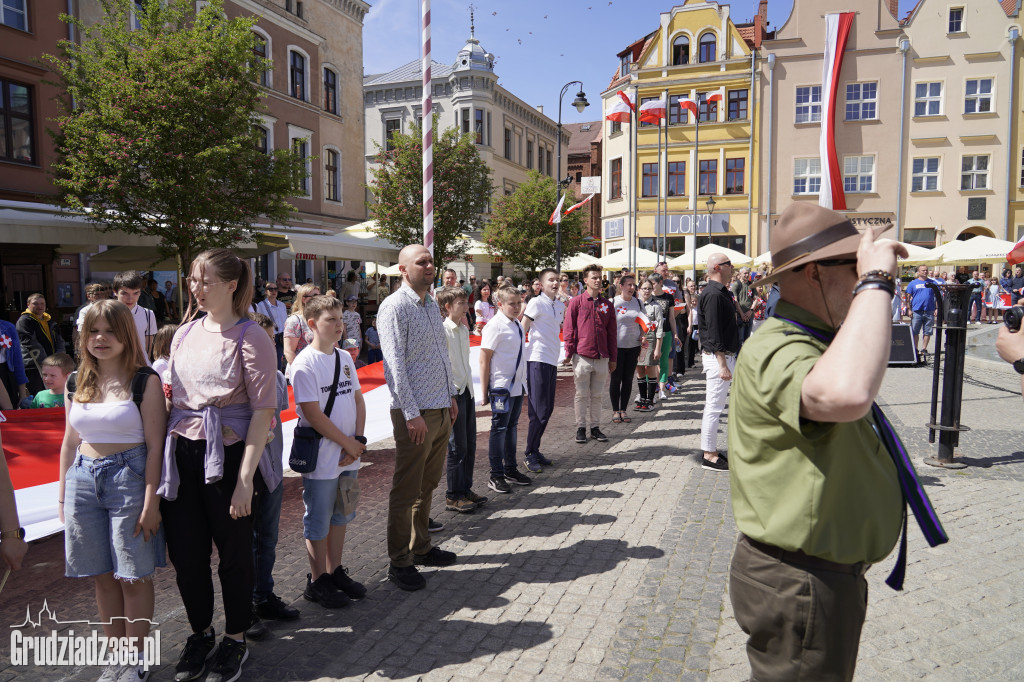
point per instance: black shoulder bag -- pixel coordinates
(306, 444)
(501, 397)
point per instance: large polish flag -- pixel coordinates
(652, 111)
(837, 30)
(1016, 255)
(621, 109)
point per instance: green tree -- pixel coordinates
(519, 230)
(158, 136)
(462, 187)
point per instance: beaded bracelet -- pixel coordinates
(875, 284)
(877, 274)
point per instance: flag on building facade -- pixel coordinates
(1016, 255)
(652, 111)
(837, 31)
(621, 109)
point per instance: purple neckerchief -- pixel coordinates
(913, 492)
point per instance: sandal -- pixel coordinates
(617, 419)
(626, 419)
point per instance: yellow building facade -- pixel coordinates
(696, 52)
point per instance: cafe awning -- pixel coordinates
(121, 258)
(350, 244)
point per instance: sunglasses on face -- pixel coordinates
(270, 288)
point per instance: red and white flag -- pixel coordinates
(621, 110)
(556, 215)
(577, 205)
(652, 111)
(645, 322)
(837, 31)
(715, 96)
(687, 103)
(1016, 255)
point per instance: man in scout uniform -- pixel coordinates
(814, 464)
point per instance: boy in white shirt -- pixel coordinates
(503, 366)
(127, 288)
(543, 322)
(454, 302)
(330, 492)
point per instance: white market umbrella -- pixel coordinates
(917, 255)
(645, 260)
(975, 250)
(764, 259)
(392, 271)
(685, 262)
(578, 262)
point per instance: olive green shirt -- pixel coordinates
(828, 489)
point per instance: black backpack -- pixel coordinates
(138, 385)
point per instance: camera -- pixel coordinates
(1013, 317)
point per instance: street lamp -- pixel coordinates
(710, 203)
(580, 103)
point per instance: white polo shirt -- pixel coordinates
(506, 338)
(278, 313)
(145, 324)
(547, 316)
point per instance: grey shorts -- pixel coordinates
(103, 499)
(923, 321)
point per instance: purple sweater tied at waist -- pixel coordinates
(236, 418)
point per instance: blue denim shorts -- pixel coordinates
(325, 505)
(922, 320)
(103, 499)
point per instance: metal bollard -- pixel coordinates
(953, 310)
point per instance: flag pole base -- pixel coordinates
(942, 464)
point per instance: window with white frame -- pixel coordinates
(261, 50)
(861, 101)
(978, 96)
(298, 72)
(392, 127)
(300, 145)
(138, 11)
(808, 104)
(859, 174)
(807, 176)
(262, 138)
(956, 20)
(330, 91)
(925, 174)
(14, 13)
(974, 172)
(332, 174)
(928, 99)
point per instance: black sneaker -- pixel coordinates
(581, 435)
(323, 592)
(720, 464)
(434, 526)
(258, 630)
(473, 497)
(513, 476)
(355, 591)
(407, 578)
(227, 661)
(192, 662)
(435, 557)
(274, 608)
(596, 434)
(532, 464)
(499, 485)
(542, 460)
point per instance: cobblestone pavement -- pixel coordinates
(614, 565)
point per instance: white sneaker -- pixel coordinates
(133, 673)
(662, 396)
(112, 673)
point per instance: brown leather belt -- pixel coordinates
(802, 560)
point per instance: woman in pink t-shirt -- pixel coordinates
(222, 393)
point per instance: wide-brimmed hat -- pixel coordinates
(808, 232)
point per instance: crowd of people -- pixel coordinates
(174, 442)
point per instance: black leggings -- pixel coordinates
(622, 378)
(200, 518)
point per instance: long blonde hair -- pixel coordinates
(297, 305)
(119, 317)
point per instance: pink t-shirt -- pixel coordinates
(206, 368)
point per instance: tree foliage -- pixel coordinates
(462, 186)
(159, 135)
(519, 230)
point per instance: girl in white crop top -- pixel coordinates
(110, 465)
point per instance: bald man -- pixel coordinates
(719, 344)
(423, 407)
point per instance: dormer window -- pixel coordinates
(680, 51)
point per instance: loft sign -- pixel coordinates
(682, 223)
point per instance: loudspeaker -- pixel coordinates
(902, 351)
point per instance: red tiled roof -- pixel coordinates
(580, 141)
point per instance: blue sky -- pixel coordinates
(540, 45)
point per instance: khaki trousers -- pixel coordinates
(802, 624)
(418, 469)
(591, 376)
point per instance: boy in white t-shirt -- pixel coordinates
(127, 288)
(543, 323)
(331, 491)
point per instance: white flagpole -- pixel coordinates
(696, 181)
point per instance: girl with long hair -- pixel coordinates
(297, 334)
(629, 336)
(483, 307)
(223, 386)
(649, 363)
(110, 464)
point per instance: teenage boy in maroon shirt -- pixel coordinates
(590, 346)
